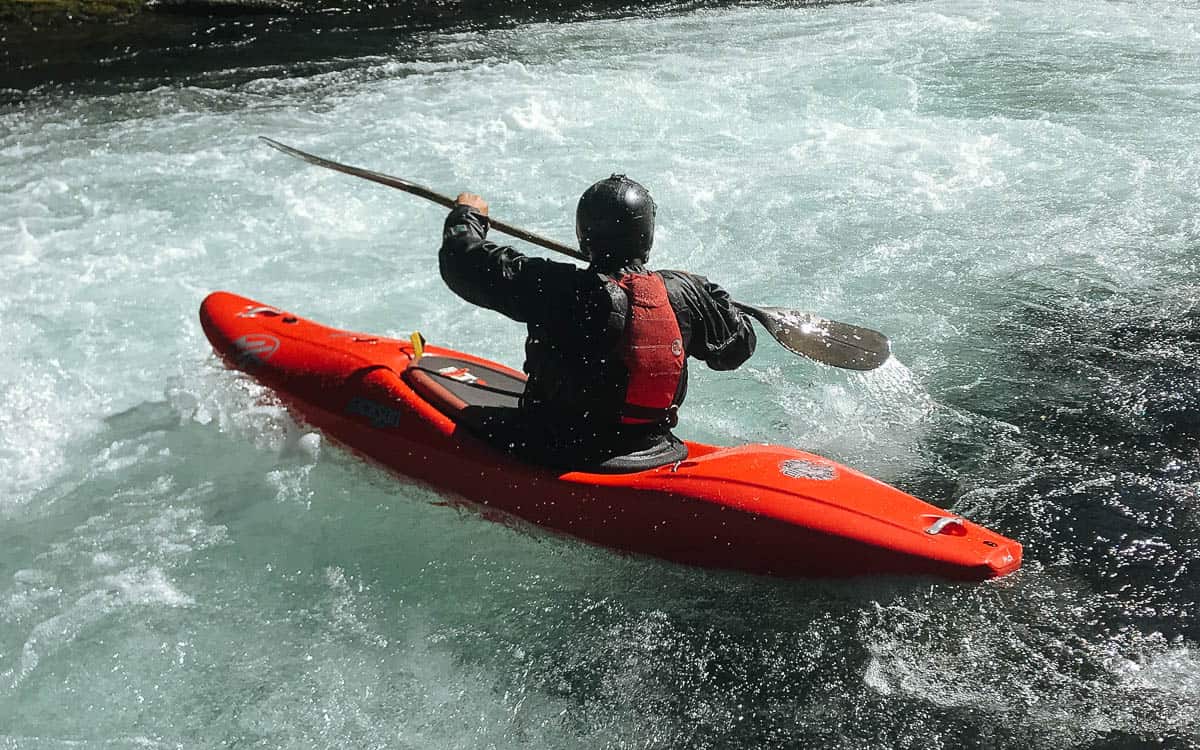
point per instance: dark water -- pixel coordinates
(210, 46)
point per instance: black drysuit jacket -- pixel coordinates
(576, 317)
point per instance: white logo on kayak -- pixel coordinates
(251, 311)
(461, 374)
(255, 348)
(802, 468)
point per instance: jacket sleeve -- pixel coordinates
(496, 277)
(722, 336)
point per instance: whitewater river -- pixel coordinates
(1011, 191)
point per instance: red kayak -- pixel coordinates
(759, 508)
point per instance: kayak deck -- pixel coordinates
(759, 508)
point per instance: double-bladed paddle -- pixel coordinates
(826, 341)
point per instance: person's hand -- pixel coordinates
(474, 201)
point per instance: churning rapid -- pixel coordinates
(1009, 191)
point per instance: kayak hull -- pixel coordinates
(763, 509)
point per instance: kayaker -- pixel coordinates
(607, 345)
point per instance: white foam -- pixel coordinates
(131, 587)
(147, 586)
(539, 117)
(25, 249)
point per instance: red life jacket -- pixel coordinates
(652, 350)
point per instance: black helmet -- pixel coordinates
(615, 222)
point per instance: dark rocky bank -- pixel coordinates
(80, 46)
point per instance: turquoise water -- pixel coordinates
(1009, 191)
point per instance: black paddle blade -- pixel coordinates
(420, 191)
(822, 340)
(366, 174)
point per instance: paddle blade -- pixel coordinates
(420, 191)
(366, 174)
(826, 341)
